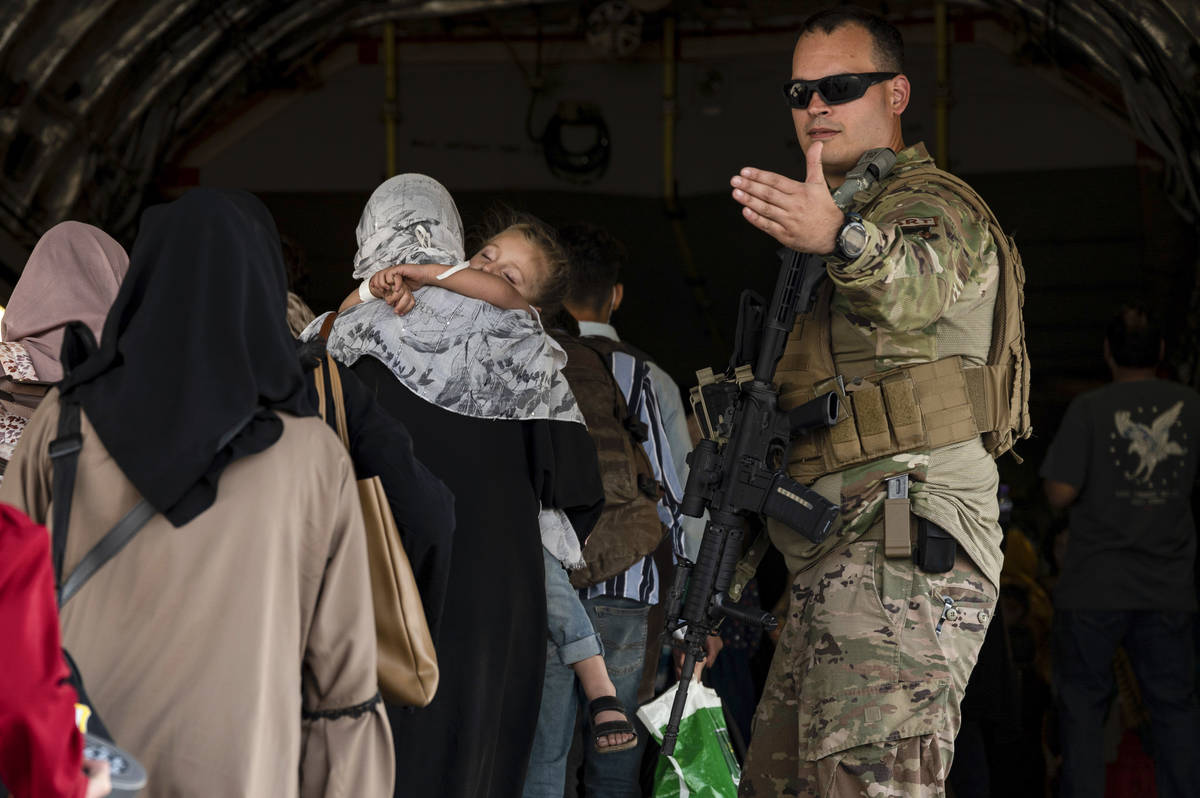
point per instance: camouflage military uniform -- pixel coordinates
(863, 693)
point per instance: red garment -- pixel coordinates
(1132, 775)
(41, 750)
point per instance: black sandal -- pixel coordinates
(608, 703)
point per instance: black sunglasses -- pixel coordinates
(834, 89)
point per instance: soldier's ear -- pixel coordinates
(900, 90)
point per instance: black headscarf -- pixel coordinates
(196, 353)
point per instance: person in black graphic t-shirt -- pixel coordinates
(1124, 462)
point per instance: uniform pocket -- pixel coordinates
(849, 653)
(966, 603)
(859, 716)
(871, 420)
(903, 412)
(946, 622)
(892, 674)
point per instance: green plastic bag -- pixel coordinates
(703, 765)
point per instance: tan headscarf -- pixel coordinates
(72, 275)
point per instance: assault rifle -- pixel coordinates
(739, 469)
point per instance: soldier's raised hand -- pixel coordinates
(802, 216)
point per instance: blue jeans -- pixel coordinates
(572, 638)
(622, 626)
(1159, 645)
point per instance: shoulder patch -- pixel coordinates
(915, 224)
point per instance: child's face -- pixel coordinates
(511, 256)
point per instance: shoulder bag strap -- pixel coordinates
(327, 325)
(78, 343)
(339, 402)
(319, 380)
(64, 455)
(636, 427)
(124, 530)
(64, 458)
(113, 541)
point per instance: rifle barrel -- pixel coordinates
(671, 732)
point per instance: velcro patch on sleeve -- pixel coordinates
(926, 227)
(917, 224)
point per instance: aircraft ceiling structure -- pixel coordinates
(1149, 50)
(93, 96)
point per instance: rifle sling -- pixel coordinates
(748, 565)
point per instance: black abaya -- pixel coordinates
(421, 505)
(474, 739)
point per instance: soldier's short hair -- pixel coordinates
(596, 258)
(888, 43)
(1134, 337)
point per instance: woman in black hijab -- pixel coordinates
(194, 319)
(231, 642)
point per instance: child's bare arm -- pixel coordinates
(395, 284)
(350, 301)
(491, 288)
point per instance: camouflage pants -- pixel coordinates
(863, 694)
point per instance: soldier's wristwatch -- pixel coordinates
(851, 239)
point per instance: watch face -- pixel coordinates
(853, 239)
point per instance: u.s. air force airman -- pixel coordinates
(919, 330)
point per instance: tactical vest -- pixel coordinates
(629, 527)
(920, 406)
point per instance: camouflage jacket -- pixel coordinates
(923, 290)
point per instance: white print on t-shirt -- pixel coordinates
(1151, 444)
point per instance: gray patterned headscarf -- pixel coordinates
(410, 218)
(463, 355)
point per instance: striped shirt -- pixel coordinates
(640, 582)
